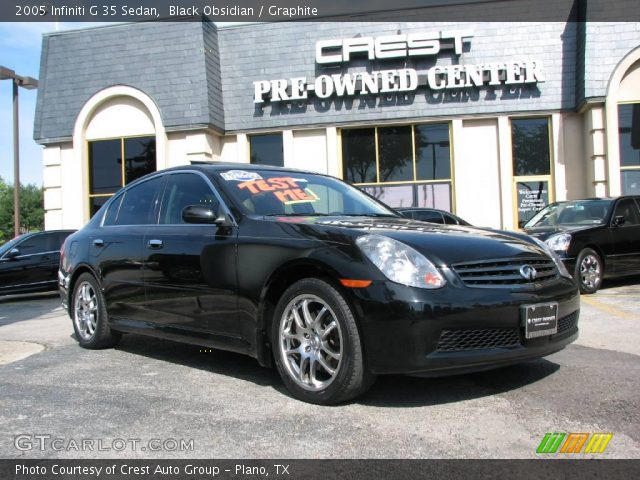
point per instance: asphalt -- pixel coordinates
(229, 407)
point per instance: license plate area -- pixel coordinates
(540, 319)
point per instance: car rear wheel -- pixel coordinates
(589, 271)
(89, 315)
(317, 347)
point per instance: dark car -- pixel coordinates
(29, 262)
(596, 238)
(432, 215)
(307, 272)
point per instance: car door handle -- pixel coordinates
(154, 243)
(98, 242)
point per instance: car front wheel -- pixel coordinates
(89, 315)
(589, 271)
(317, 346)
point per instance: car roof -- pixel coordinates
(206, 166)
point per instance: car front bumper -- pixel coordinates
(456, 330)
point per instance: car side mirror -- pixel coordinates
(204, 214)
(619, 221)
(13, 253)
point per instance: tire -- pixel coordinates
(589, 271)
(327, 340)
(89, 315)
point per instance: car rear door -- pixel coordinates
(626, 237)
(189, 268)
(115, 248)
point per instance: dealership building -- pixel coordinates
(489, 120)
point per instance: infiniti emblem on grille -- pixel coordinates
(528, 272)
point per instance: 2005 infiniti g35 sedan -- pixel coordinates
(303, 271)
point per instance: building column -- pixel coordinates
(596, 150)
(506, 173)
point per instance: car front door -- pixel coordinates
(115, 248)
(189, 268)
(625, 233)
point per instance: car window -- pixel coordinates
(112, 212)
(183, 190)
(450, 220)
(139, 203)
(428, 216)
(38, 244)
(628, 209)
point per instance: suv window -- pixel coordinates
(629, 210)
(139, 203)
(37, 244)
(183, 190)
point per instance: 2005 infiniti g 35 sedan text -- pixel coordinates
(308, 273)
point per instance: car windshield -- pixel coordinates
(4, 248)
(274, 192)
(577, 212)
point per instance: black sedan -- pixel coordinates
(596, 238)
(432, 215)
(306, 272)
(29, 262)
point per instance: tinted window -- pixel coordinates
(140, 157)
(449, 220)
(628, 209)
(530, 143)
(112, 212)
(433, 155)
(139, 203)
(96, 203)
(395, 154)
(105, 166)
(427, 216)
(182, 190)
(629, 134)
(266, 149)
(359, 155)
(38, 244)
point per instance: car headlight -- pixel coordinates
(559, 242)
(554, 256)
(399, 262)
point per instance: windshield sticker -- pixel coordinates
(286, 189)
(240, 175)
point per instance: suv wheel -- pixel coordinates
(317, 346)
(89, 315)
(589, 271)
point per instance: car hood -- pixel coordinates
(442, 244)
(545, 232)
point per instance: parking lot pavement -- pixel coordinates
(230, 407)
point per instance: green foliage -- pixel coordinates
(31, 209)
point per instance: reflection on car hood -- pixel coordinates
(545, 232)
(443, 244)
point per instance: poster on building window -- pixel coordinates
(531, 197)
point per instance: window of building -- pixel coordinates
(108, 173)
(402, 166)
(531, 147)
(266, 149)
(629, 135)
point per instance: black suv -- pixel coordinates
(307, 272)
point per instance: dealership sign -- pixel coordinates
(416, 45)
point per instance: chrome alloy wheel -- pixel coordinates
(86, 310)
(311, 345)
(590, 271)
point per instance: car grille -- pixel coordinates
(505, 273)
(456, 340)
(568, 323)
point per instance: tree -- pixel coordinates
(31, 209)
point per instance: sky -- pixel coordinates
(20, 45)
